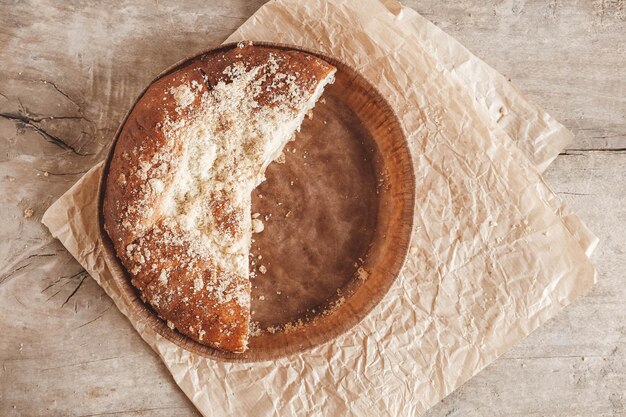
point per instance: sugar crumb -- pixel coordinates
(257, 225)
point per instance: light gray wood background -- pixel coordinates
(70, 70)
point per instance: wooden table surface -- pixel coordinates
(69, 73)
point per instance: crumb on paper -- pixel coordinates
(262, 297)
(28, 213)
(260, 257)
(262, 269)
(288, 214)
(278, 292)
(256, 215)
(290, 182)
(45, 174)
(310, 114)
(323, 100)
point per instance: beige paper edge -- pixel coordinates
(449, 314)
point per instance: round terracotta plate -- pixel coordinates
(338, 215)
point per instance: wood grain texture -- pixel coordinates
(69, 74)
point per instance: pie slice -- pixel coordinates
(177, 203)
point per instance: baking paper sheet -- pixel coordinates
(494, 252)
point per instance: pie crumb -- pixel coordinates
(257, 226)
(362, 274)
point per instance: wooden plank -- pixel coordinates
(73, 70)
(568, 57)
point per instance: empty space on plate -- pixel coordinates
(319, 206)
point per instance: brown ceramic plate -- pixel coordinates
(339, 217)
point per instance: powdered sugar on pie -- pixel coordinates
(178, 194)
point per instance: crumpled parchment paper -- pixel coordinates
(494, 252)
